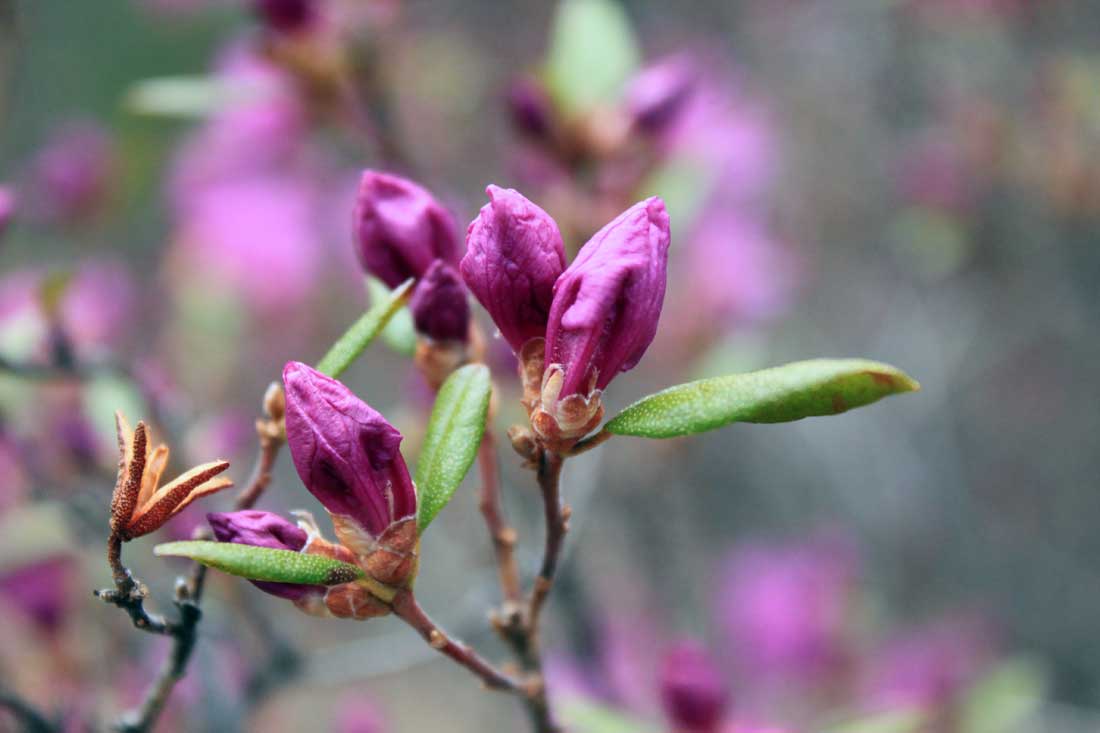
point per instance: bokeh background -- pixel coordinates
(915, 181)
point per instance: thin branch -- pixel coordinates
(408, 610)
(557, 515)
(32, 720)
(503, 536)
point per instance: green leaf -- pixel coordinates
(892, 721)
(349, 346)
(400, 333)
(453, 438)
(583, 715)
(1005, 699)
(187, 96)
(592, 53)
(263, 563)
(780, 394)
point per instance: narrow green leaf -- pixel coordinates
(584, 715)
(592, 53)
(892, 721)
(1005, 699)
(186, 96)
(453, 438)
(263, 563)
(349, 346)
(780, 394)
(400, 333)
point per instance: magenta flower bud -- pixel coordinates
(440, 306)
(264, 529)
(530, 107)
(514, 254)
(693, 690)
(400, 229)
(659, 93)
(607, 304)
(7, 208)
(286, 16)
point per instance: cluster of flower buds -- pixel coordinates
(573, 328)
(348, 456)
(138, 506)
(402, 232)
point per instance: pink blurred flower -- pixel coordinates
(357, 714)
(8, 204)
(785, 607)
(932, 172)
(98, 307)
(39, 590)
(71, 174)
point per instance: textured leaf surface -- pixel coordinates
(453, 437)
(357, 338)
(780, 394)
(592, 53)
(263, 563)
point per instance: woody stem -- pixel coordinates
(503, 536)
(549, 478)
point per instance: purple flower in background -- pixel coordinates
(440, 307)
(785, 607)
(7, 208)
(287, 16)
(530, 106)
(607, 303)
(933, 666)
(400, 228)
(98, 305)
(264, 529)
(348, 457)
(70, 175)
(693, 689)
(39, 590)
(514, 255)
(358, 715)
(658, 94)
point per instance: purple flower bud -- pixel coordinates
(440, 307)
(656, 96)
(607, 304)
(70, 176)
(345, 452)
(692, 689)
(400, 229)
(286, 16)
(264, 529)
(514, 254)
(7, 208)
(530, 107)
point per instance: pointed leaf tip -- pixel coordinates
(263, 563)
(780, 394)
(453, 437)
(361, 333)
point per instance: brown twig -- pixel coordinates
(32, 720)
(557, 515)
(503, 536)
(406, 608)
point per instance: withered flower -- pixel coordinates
(138, 506)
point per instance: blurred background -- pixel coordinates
(914, 181)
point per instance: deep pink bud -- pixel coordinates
(530, 107)
(286, 16)
(7, 208)
(440, 306)
(264, 529)
(345, 452)
(607, 304)
(400, 229)
(655, 97)
(514, 254)
(693, 690)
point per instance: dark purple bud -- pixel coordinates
(440, 306)
(656, 96)
(7, 208)
(346, 453)
(286, 16)
(693, 690)
(530, 107)
(514, 254)
(607, 304)
(264, 529)
(400, 229)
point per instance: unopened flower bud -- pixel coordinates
(603, 318)
(286, 16)
(530, 107)
(440, 307)
(348, 457)
(514, 254)
(400, 229)
(658, 94)
(693, 690)
(275, 401)
(264, 529)
(7, 208)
